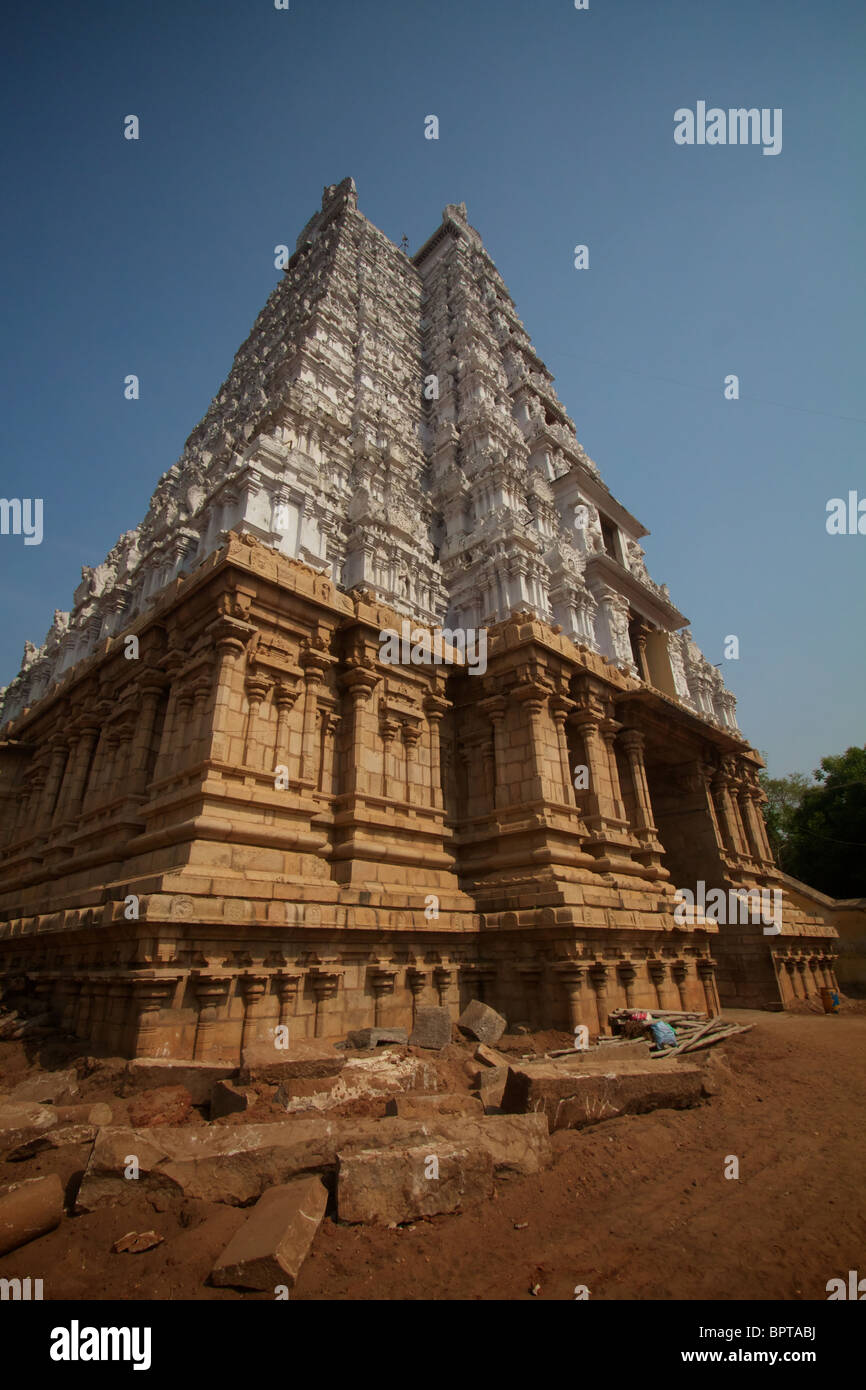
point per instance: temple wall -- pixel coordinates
(261, 820)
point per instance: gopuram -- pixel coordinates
(380, 708)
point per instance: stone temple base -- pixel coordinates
(260, 821)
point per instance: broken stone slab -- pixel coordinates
(482, 1023)
(60, 1138)
(263, 1061)
(432, 1028)
(227, 1098)
(29, 1209)
(488, 1078)
(51, 1088)
(197, 1077)
(274, 1241)
(23, 1120)
(97, 1113)
(376, 1037)
(490, 1057)
(422, 1107)
(235, 1164)
(571, 1099)
(378, 1186)
(362, 1078)
(517, 1150)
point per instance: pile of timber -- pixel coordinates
(694, 1030)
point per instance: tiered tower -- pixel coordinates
(223, 803)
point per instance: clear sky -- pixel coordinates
(556, 128)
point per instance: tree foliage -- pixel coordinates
(818, 828)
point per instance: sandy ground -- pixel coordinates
(634, 1208)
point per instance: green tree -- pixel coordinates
(784, 795)
(825, 835)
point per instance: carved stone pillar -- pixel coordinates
(148, 998)
(533, 695)
(201, 691)
(658, 973)
(729, 822)
(229, 643)
(707, 975)
(358, 683)
(325, 986)
(435, 708)
(84, 755)
(382, 979)
(417, 981)
(253, 989)
(571, 973)
(705, 774)
(142, 737)
(287, 993)
(801, 972)
(411, 738)
(598, 977)
(165, 756)
(599, 793)
(627, 973)
(59, 754)
(756, 799)
(257, 688)
(180, 753)
(313, 675)
(443, 978)
(329, 721)
(211, 992)
(560, 708)
(284, 698)
(679, 971)
(387, 732)
(632, 742)
(609, 730)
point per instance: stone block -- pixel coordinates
(572, 1099)
(490, 1057)
(228, 1099)
(51, 1088)
(62, 1137)
(422, 1107)
(274, 1241)
(361, 1079)
(376, 1037)
(378, 1186)
(96, 1114)
(197, 1077)
(432, 1029)
(21, 1121)
(482, 1023)
(28, 1210)
(517, 1149)
(265, 1062)
(235, 1164)
(488, 1078)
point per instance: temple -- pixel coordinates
(225, 806)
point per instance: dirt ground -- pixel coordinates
(634, 1208)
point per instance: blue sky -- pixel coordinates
(556, 128)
